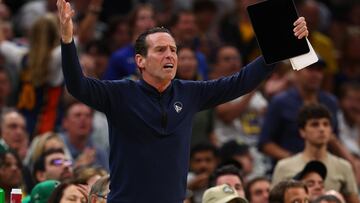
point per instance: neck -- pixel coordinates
(308, 96)
(314, 152)
(78, 142)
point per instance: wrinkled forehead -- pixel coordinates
(160, 39)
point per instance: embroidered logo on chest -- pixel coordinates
(178, 106)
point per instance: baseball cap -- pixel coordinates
(222, 194)
(42, 191)
(312, 166)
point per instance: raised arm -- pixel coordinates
(92, 92)
(249, 77)
(66, 24)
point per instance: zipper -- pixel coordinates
(164, 118)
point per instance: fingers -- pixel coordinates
(65, 11)
(299, 20)
(300, 29)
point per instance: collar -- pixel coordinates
(152, 90)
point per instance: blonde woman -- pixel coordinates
(39, 73)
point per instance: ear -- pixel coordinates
(64, 123)
(302, 133)
(93, 198)
(40, 176)
(140, 61)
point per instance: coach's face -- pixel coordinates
(160, 63)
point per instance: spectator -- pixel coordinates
(185, 31)
(10, 172)
(77, 125)
(52, 165)
(235, 28)
(13, 132)
(203, 161)
(240, 153)
(118, 33)
(206, 15)
(41, 192)
(349, 61)
(336, 194)
(230, 175)
(323, 45)
(315, 127)
(280, 137)
(327, 199)
(313, 175)
(43, 143)
(289, 191)
(100, 190)
(121, 63)
(257, 190)
(349, 118)
(222, 194)
(31, 12)
(89, 175)
(239, 119)
(69, 191)
(203, 123)
(38, 68)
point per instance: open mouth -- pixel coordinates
(169, 65)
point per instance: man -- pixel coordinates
(78, 124)
(13, 132)
(231, 175)
(315, 128)
(52, 165)
(41, 192)
(257, 190)
(240, 118)
(289, 191)
(222, 194)
(203, 161)
(100, 190)
(279, 137)
(313, 175)
(150, 119)
(185, 32)
(121, 63)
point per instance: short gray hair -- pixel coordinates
(100, 186)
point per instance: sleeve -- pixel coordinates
(272, 123)
(350, 183)
(215, 92)
(276, 176)
(92, 92)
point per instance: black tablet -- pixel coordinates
(272, 21)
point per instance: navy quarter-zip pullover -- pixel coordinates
(149, 132)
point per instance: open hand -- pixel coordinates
(65, 13)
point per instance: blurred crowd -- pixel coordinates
(48, 137)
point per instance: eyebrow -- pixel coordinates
(162, 46)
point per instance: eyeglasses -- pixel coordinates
(102, 196)
(60, 162)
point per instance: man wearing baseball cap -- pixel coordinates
(41, 192)
(313, 175)
(222, 194)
